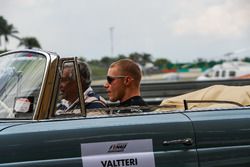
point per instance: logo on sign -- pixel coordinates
(117, 147)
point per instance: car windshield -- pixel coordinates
(21, 76)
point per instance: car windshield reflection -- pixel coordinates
(21, 77)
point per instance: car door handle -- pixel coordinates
(186, 142)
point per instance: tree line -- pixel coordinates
(99, 67)
(9, 30)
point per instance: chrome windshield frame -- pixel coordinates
(49, 56)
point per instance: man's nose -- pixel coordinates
(106, 85)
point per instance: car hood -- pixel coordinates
(5, 125)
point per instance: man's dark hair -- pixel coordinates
(84, 70)
(85, 73)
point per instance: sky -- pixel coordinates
(178, 30)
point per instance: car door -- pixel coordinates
(222, 137)
(162, 139)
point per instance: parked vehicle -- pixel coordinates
(32, 135)
(226, 70)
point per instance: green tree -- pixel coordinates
(246, 59)
(135, 56)
(163, 63)
(29, 42)
(201, 63)
(121, 56)
(212, 63)
(146, 57)
(106, 61)
(6, 30)
(141, 58)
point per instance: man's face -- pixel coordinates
(116, 88)
(68, 86)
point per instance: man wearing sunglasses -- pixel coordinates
(69, 90)
(123, 84)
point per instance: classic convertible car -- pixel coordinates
(32, 135)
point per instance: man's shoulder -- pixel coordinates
(94, 100)
(135, 100)
(132, 105)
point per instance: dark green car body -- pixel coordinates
(204, 138)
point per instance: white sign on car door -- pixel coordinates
(137, 153)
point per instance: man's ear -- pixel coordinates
(127, 80)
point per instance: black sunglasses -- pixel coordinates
(110, 79)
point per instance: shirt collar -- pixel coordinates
(87, 91)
